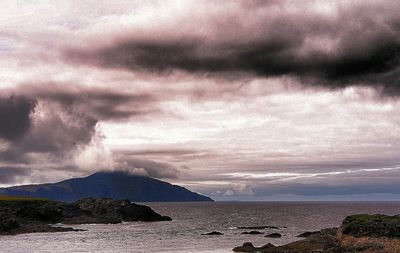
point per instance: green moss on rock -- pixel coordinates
(377, 225)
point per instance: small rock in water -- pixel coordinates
(249, 247)
(246, 247)
(252, 233)
(274, 235)
(213, 233)
(259, 227)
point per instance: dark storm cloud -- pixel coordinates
(15, 116)
(108, 106)
(176, 154)
(11, 175)
(57, 135)
(168, 152)
(54, 135)
(39, 130)
(360, 45)
(172, 155)
(98, 103)
(51, 123)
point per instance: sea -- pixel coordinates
(191, 220)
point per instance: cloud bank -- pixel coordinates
(325, 44)
(250, 100)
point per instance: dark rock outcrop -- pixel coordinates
(27, 216)
(322, 242)
(274, 235)
(357, 234)
(253, 232)
(259, 227)
(307, 234)
(119, 210)
(213, 233)
(249, 247)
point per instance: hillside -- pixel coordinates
(116, 185)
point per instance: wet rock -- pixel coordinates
(249, 247)
(357, 234)
(28, 216)
(274, 235)
(259, 227)
(115, 211)
(213, 233)
(307, 234)
(253, 232)
(246, 247)
(315, 243)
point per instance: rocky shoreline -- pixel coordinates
(357, 234)
(30, 216)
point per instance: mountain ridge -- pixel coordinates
(109, 184)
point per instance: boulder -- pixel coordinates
(274, 235)
(259, 227)
(307, 234)
(321, 242)
(246, 247)
(213, 233)
(249, 247)
(253, 232)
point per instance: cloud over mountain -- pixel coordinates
(237, 99)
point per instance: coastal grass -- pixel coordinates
(19, 198)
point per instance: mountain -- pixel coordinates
(116, 185)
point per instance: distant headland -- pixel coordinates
(113, 184)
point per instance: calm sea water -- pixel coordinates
(190, 220)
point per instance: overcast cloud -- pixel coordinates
(249, 100)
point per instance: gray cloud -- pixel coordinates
(15, 116)
(54, 133)
(10, 175)
(146, 167)
(50, 124)
(162, 152)
(332, 51)
(102, 104)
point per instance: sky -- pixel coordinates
(239, 100)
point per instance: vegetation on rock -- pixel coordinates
(377, 225)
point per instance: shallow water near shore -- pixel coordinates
(190, 220)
